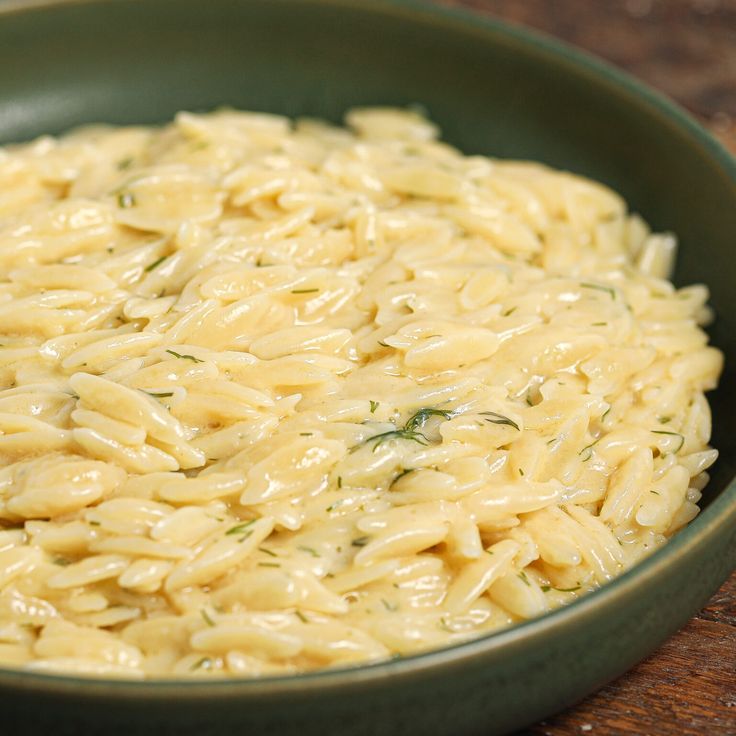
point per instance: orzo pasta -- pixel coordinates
(278, 396)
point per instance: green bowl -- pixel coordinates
(494, 90)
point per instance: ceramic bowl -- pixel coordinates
(493, 89)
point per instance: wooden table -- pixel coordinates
(686, 48)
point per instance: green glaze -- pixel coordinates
(494, 90)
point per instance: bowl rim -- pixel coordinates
(714, 520)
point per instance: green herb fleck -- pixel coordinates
(394, 434)
(268, 552)
(656, 493)
(94, 523)
(404, 472)
(664, 420)
(383, 344)
(184, 357)
(306, 434)
(335, 505)
(126, 200)
(568, 590)
(599, 324)
(545, 588)
(672, 434)
(304, 291)
(529, 401)
(524, 578)
(374, 406)
(62, 561)
(159, 394)
(493, 418)
(301, 616)
(389, 606)
(269, 564)
(444, 625)
(339, 481)
(360, 541)
(207, 618)
(420, 418)
(605, 414)
(242, 529)
(125, 163)
(202, 664)
(587, 451)
(153, 265)
(609, 290)
(509, 312)
(309, 550)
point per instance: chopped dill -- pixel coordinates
(672, 434)
(241, 529)
(609, 290)
(374, 406)
(360, 541)
(207, 618)
(309, 550)
(156, 263)
(184, 357)
(588, 451)
(404, 472)
(394, 434)
(444, 625)
(304, 291)
(493, 418)
(420, 417)
(126, 200)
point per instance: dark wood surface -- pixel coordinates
(686, 48)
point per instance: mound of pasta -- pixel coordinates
(278, 396)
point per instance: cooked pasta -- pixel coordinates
(281, 396)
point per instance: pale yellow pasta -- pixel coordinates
(277, 395)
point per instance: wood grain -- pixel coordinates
(686, 688)
(687, 49)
